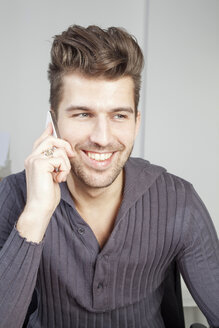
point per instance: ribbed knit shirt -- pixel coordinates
(78, 284)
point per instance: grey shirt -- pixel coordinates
(161, 219)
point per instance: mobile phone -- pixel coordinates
(50, 118)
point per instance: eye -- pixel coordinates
(82, 115)
(120, 117)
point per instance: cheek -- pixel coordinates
(73, 133)
(126, 137)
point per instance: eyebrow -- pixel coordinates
(88, 109)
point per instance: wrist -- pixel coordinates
(32, 224)
(34, 209)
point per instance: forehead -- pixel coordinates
(97, 92)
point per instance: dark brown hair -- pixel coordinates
(109, 53)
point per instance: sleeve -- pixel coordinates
(19, 259)
(199, 258)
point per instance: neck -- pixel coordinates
(84, 195)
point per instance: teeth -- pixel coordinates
(99, 157)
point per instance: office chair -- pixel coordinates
(171, 306)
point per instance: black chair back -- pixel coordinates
(172, 307)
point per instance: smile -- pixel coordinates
(100, 157)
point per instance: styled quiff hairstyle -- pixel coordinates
(94, 52)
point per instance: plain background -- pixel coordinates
(179, 100)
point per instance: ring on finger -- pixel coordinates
(49, 152)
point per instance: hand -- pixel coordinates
(43, 191)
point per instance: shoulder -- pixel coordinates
(146, 171)
(175, 183)
(13, 188)
(17, 180)
(196, 220)
(12, 202)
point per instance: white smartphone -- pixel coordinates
(50, 118)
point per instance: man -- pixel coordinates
(90, 229)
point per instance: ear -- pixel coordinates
(137, 123)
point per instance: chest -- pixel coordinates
(101, 221)
(101, 226)
(137, 249)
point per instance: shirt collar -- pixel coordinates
(139, 176)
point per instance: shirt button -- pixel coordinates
(100, 286)
(81, 231)
(106, 257)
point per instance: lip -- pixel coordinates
(97, 165)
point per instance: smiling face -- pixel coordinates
(97, 117)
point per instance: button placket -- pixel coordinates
(100, 283)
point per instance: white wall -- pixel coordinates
(182, 102)
(26, 30)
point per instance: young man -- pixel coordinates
(92, 230)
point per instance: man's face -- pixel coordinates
(97, 117)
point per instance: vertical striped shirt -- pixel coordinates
(78, 284)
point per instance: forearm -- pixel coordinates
(19, 263)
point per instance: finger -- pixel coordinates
(60, 177)
(60, 152)
(46, 133)
(44, 164)
(54, 163)
(60, 171)
(51, 142)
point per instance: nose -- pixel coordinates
(101, 132)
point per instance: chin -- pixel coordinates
(102, 179)
(96, 180)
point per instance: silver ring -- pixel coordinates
(49, 152)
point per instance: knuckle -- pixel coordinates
(27, 161)
(35, 144)
(32, 160)
(58, 152)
